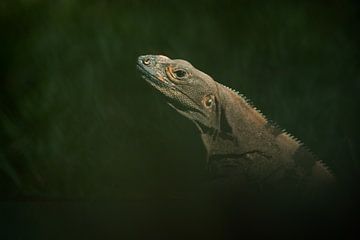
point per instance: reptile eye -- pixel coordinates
(180, 73)
(209, 101)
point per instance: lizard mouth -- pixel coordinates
(154, 79)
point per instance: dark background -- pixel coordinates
(77, 122)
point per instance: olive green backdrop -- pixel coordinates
(77, 121)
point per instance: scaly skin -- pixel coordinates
(240, 143)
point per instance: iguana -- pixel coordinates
(240, 142)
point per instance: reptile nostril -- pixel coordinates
(146, 61)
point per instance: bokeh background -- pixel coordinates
(78, 122)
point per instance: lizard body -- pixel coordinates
(240, 142)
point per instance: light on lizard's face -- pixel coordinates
(189, 91)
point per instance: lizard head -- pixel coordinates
(189, 91)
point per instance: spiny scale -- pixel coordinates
(293, 137)
(247, 100)
(250, 103)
